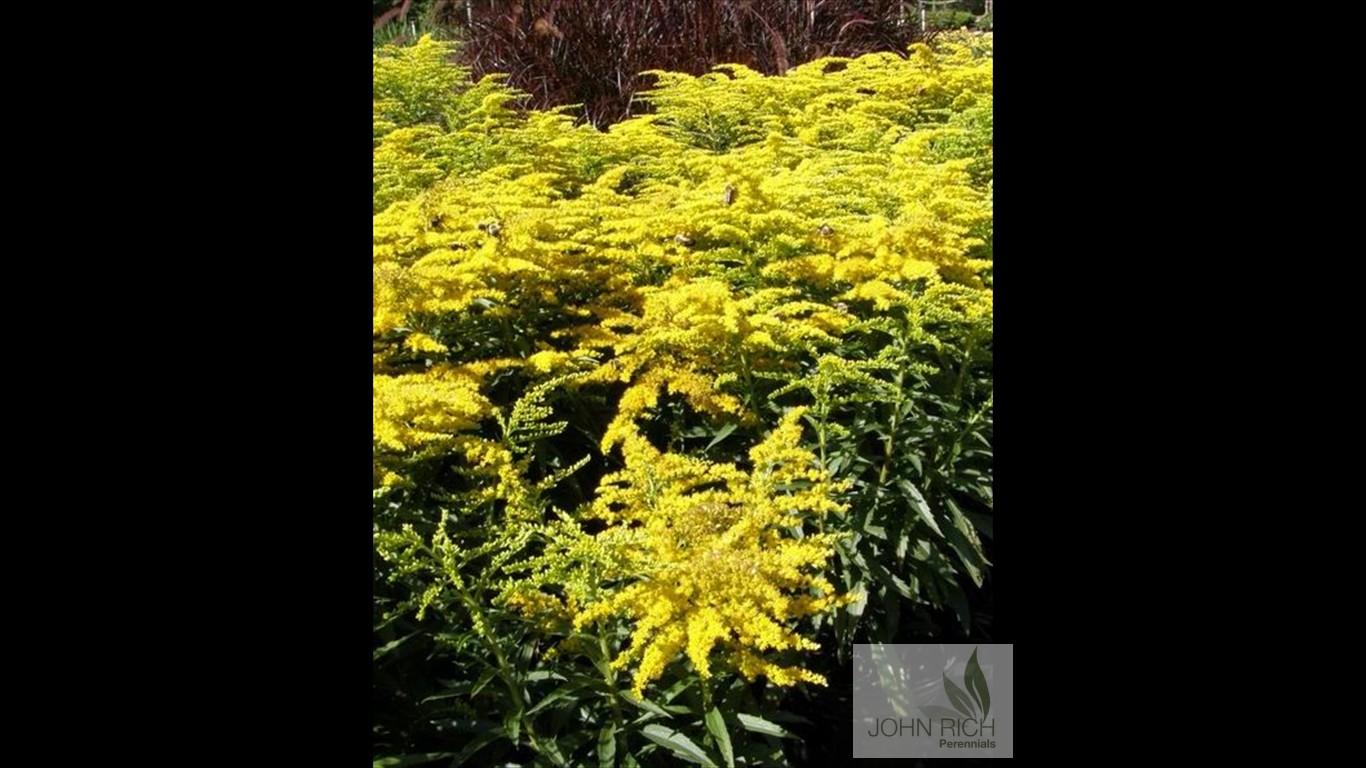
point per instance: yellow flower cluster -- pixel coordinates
(720, 573)
(694, 336)
(414, 412)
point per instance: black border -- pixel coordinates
(1082, 348)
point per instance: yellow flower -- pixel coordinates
(720, 576)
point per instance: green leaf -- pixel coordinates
(860, 601)
(914, 459)
(459, 693)
(589, 681)
(402, 761)
(721, 434)
(960, 700)
(901, 586)
(955, 598)
(716, 726)
(676, 690)
(963, 540)
(677, 743)
(483, 680)
(554, 696)
(648, 706)
(760, 725)
(976, 682)
(552, 751)
(387, 647)
(607, 746)
(980, 521)
(918, 503)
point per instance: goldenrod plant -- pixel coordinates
(669, 416)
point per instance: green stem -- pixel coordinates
(820, 433)
(506, 333)
(822, 411)
(504, 668)
(750, 398)
(891, 430)
(610, 679)
(967, 363)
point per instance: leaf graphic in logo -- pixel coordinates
(976, 683)
(957, 697)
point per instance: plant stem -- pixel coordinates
(891, 429)
(750, 397)
(504, 669)
(610, 679)
(967, 363)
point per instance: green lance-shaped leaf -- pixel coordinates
(558, 697)
(389, 646)
(965, 542)
(976, 683)
(647, 705)
(677, 743)
(760, 725)
(917, 501)
(960, 700)
(716, 726)
(721, 434)
(607, 746)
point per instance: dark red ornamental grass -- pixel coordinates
(591, 52)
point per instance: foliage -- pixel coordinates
(949, 19)
(593, 54)
(404, 22)
(667, 417)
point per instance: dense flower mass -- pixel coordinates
(676, 398)
(715, 564)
